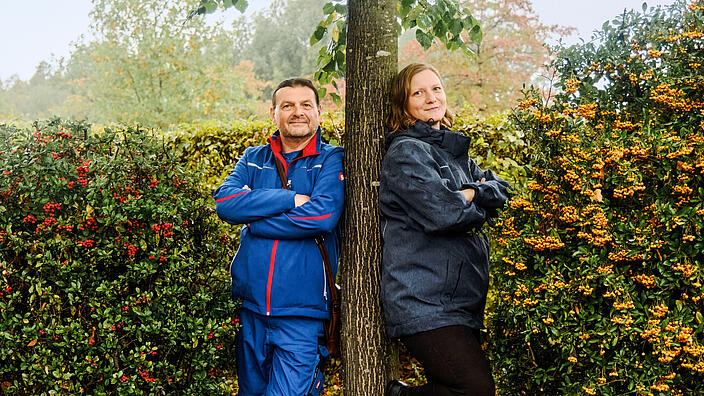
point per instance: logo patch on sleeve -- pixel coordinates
(342, 177)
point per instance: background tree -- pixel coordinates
(146, 65)
(277, 40)
(40, 96)
(511, 53)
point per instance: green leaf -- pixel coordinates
(336, 99)
(322, 92)
(340, 59)
(476, 34)
(424, 21)
(210, 6)
(424, 39)
(455, 27)
(324, 60)
(317, 35)
(645, 6)
(330, 66)
(328, 8)
(403, 13)
(440, 29)
(324, 78)
(341, 9)
(328, 20)
(197, 11)
(241, 5)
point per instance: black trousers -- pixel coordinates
(453, 360)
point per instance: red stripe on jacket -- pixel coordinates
(230, 196)
(271, 276)
(313, 218)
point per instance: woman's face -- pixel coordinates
(426, 100)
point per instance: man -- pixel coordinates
(278, 271)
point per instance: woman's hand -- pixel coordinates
(468, 193)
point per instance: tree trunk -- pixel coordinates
(370, 358)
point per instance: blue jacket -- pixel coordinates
(278, 269)
(435, 262)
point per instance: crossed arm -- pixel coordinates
(412, 178)
(279, 213)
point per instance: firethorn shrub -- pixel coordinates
(599, 270)
(113, 267)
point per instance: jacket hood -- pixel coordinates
(452, 142)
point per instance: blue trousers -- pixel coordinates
(279, 356)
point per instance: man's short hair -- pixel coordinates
(295, 82)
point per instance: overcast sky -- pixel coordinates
(32, 31)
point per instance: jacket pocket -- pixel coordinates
(468, 284)
(450, 283)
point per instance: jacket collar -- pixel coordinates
(455, 143)
(312, 148)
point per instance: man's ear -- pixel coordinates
(272, 113)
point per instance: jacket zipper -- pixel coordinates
(325, 278)
(273, 255)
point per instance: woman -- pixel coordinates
(435, 278)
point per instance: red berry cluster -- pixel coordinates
(87, 243)
(163, 229)
(82, 174)
(63, 134)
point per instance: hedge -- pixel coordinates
(113, 267)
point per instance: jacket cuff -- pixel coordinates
(477, 200)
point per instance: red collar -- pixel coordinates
(310, 149)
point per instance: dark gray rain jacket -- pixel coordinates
(435, 262)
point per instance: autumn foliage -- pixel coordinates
(599, 271)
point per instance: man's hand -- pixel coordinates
(301, 199)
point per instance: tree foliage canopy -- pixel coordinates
(510, 54)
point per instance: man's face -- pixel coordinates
(296, 114)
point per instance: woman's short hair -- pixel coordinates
(400, 91)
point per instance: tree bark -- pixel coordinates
(370, 358)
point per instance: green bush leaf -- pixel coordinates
(424, 39)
